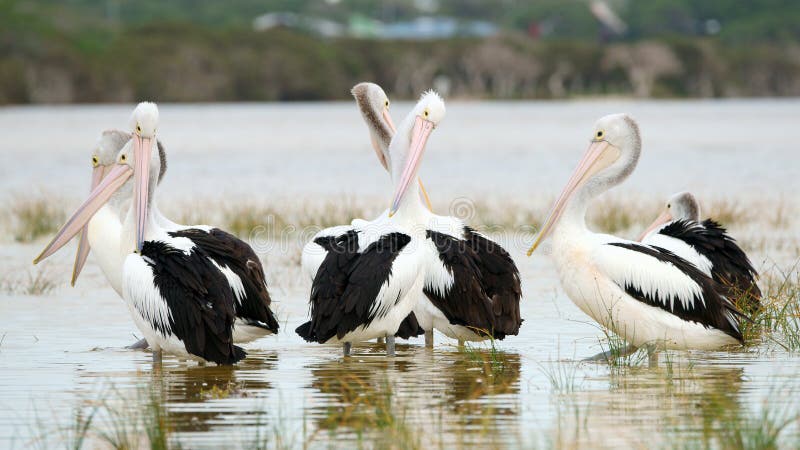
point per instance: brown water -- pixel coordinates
(64, 351)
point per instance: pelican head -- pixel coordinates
(614, 149)
(137, 158)
(408, 145)
(104, 155)
(374, 106)
(681, 206)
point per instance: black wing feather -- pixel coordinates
(465, 303)
(347, 284)
(500, 281)
(200, 303)
(714, 310)
(229, 251)
(730, 265)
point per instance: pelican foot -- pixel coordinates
(141, 344)
(609, 355)
(346, 347)
(429, 339)
(390, 345)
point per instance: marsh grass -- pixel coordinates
(35, 216)
(561, 375)
(731, 213)
(618, 215)
(777, 322)
(34, 282)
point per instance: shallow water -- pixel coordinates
(64, 352)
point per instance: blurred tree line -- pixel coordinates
(182, 50)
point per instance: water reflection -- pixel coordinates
(677, 398)
(191, 398)
(434, 393)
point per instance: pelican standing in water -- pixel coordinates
(370, 279)
(179, 295)
(707, 245)
(242, 267)
(647, 295)
(374, 107)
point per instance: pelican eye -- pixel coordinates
(386, 103)
(123, 158)
(600, 134)
(669, 205)
(95, 161)
(138, 128)
(426, 113)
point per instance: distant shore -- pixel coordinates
(183, 63)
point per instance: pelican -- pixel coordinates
(370, 280)
(180, 297)
(472, 287)
(645, 294)
(242, 267)
(374, 107)
(707, 245)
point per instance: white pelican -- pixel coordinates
(472, 287)
(708, 246)
(374, 107)
(241, 265)
(370, 279)
(181, 297)
(645, 294)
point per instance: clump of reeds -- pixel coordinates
(36, 282)
(777, 322)
(35, 216)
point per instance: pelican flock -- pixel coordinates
(198, 292)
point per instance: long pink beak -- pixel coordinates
(595, 159)
(83, 240)
(388, 118)
(665, 217)
(142, 149)
(419, 137)
(423, 194)
(116, 177)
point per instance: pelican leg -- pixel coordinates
(346, 348)
(611, 354)
(429, 338)
(389, 345)
(460, 344)
(157, 357)
(141, 344)
(380, 340)
(652, 355)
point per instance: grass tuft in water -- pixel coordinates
(778, 320)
